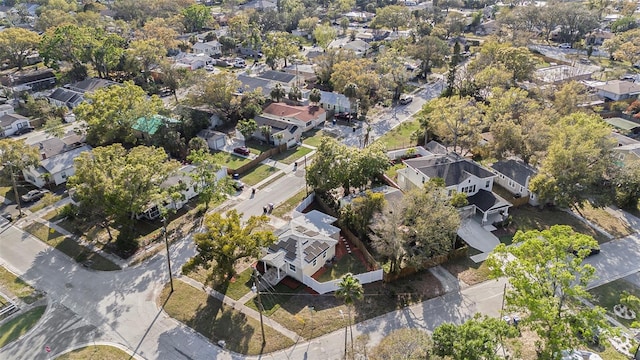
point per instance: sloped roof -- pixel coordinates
(452, 171)
(515, 170)
(251, 83)
(63, 161)
(182, 176)
(620, 87)
(66, 96)
(90, 85)
(278, 76)
(151, 126)
(7, 119)
(302, 113)
(621, 123)
(486, 200)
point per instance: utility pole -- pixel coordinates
(15, 190)
(256, 289)
(166, 243)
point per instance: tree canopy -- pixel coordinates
(227, 240)
(546, 283)
(111, 112)
(16, 44)
(115, 184)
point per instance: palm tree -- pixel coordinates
(350, 290)
(277, 93)
(351, 92)
(315, 96)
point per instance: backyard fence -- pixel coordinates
(330, 286)
(303, 205)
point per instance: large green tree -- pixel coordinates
(422, 225)
(475, 339)
(204, 175)
(579, 162)
(547, 284)
(324, 35)
(195, 17)
(339, 165)
(392, 16)
(16, 44)
(430, 51)
(111, 112)
(227, 240)
(278, 46)
(114, 184)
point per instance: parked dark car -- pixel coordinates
(23, 130)
(592, 251)
(242, 150)
(346, 116)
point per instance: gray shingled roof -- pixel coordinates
(278, 76)
(452, 171)
(515, 170)
(486, 200)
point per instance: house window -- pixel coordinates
(324, 254)
(521, 189)
(511, 184)
(449, 192)
(63, 175)
(487, 183)
(309, 123)
(315, 261)
(292, 267)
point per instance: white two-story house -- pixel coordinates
(460, 175)
(56, 164)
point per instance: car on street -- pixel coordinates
(34, 195)
(23, 130)
(209, 67)
(405, 99)
(242, 150)
(565, 46)
(592, 251)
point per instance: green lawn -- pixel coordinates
(312, 138)
(608, 295)
(287, 206)
(347, 264)
(257, 147)
(606, 221)
(18, 326)
(229, 160)
(258, 174)
(293, 155)
(217, 321)
(97, 352)
(70, 247)
(400, 136)
(239, 286)
(17, 287)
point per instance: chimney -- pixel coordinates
(44, 155)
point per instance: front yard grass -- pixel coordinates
(400, 136)
(605, 220)
(293, 155)
(18, 326)
(17, 287)
(349, 263)
(313, 137)
(70, 247)
(294, 311)
(286, 207)
(608, 295)
(258, 174)
(527, 218)
(231, 161)
(48, 199)
(216, 321)
(98, 352)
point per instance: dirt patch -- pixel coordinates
(468, 271)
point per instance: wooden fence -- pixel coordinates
(255, 162)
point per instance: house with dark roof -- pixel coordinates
(514, 176)
(616, 90)
(304, 246)
(460, 175)
(332, 101)
(29, 80)
(90, 85)
(57, 156)
(251, 83)
(65, 97)
(286, 79)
